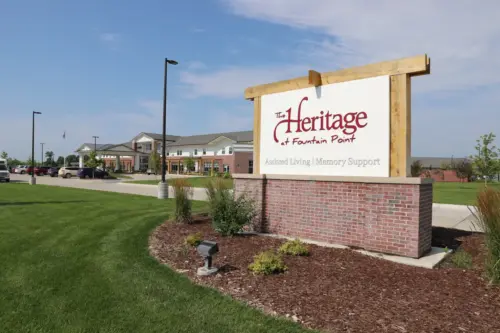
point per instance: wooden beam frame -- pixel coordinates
(418, 65)
(400, 71)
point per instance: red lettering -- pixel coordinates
(347, 123)
(362, 115)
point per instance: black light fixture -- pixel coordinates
(163, 186)
(32, 179)
(207, 249)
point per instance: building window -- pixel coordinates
(206, 167)
(250, 166)
(148, 147)
(216, 166)
(179, 152)
(143, 162)
(204, 151)
(230, 150)
(226, 167)
(168, 153)
(223, 152)
(196, 151)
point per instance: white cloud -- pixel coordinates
(198, 30)
(460, 37)
(231, 82)
(109, 37)
(194, 65)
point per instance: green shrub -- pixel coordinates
(294, 248)
(488, 216)
(267, 263)
(462, 259)
(229, 214)
(227, 175)
(182, 193)
(194, 239)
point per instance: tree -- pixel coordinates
(464, 170)
(4, 155)
(60, 161)
(154, 162)
(486, 163)
(416, 168)
(93, 161)
(49, 155)
(189, 163)
(71, 159)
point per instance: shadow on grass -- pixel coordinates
(445, 237)
(38, 202)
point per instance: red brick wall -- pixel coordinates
(439, 175)
(389, 218)
(241, 161)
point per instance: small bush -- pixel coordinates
(294, 248)
(227, 175)
(182, 193)
(194, 239)
(267, 263)
(229, 214)
(462, 259)
(488, 216)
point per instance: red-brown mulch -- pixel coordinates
(337, 290)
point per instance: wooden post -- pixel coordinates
(256, 134)
(400, 125)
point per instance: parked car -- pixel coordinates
(53, 172)
(21, 169)
(92, 173)
(29, 170)
(4, 171)
(68, 172)
(41, 170)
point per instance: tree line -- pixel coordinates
(50, 160)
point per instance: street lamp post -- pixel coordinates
(163, 185)
(41, 161)
(32, 178)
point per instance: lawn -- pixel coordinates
(459, 193)
(77, 261)
(194, 181)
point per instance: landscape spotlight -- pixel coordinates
(207, 249)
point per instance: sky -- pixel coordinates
(96, 67)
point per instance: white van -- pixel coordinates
(4, 170)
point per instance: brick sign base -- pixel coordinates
(389, 215)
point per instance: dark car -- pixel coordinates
(41, 170)
(92, 173)
(53, 172)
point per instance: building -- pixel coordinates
(440, 169)
(217, 152)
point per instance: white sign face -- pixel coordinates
(340, 129)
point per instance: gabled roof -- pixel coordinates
(203, 139)
(156, 136)
(106, 146)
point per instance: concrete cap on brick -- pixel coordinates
(343, 179)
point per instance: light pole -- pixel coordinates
(33, 179)
(95, 143)
(163, 185)
(41, 161)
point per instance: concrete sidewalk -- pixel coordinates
(459, 217)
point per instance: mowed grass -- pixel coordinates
(459, 193)
(194, 181)
(77, 261)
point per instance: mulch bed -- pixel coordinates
(339, 290)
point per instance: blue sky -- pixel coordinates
(96, 67)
